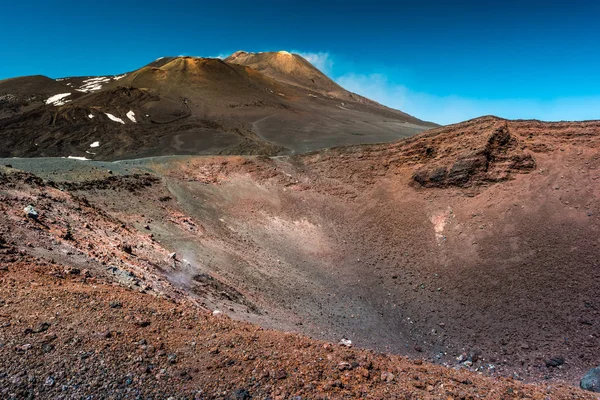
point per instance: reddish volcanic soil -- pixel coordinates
(67, 335)
(473, 246)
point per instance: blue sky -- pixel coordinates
(444, 61)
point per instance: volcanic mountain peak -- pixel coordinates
(249, 103)
(290, 68)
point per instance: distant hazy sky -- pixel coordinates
(444, 61)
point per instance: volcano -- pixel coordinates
(263, 103)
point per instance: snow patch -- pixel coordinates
(93, 84)
(95, 144)
(116, 119)
(131, 116)
(79, 158)
(58, 99)
(91, 116)
(284, 53)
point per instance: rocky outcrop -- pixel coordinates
(496, 161)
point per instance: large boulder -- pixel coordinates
(591, 380)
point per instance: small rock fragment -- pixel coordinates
(242, 394)
(30, 212)
(127, 248)
(344, 366)
(555, 362)
(281, 374)
(387, 377)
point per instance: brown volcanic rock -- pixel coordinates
(119, 328)
(191, 105)
(496, 275)
(500, 157)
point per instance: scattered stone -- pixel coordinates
(281, 374)
(172, 358)
(173, 256)
(555, 362)
(127, 248)
(387, 377)
(68, 235)
(116, 304)
(591, 380)
(72, 271)
(24, 347)
(242, 394)
(345, 342)
(474, 355)
(50, 381)
(30, 212)
(344, 366)
(43, 327)
(47, 347)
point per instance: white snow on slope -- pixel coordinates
(79, 158)
(57, 99)
(116, 119)
(95, 144)
(131, 116)
(93, 84)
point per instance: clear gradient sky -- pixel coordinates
(443, 61)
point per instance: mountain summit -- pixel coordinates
(249, 103)
(289, 68)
